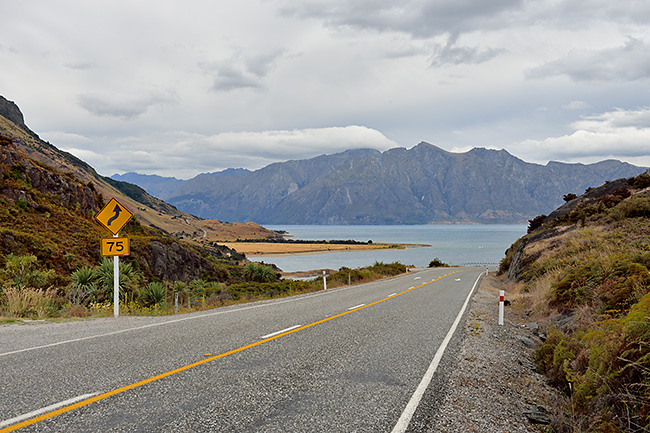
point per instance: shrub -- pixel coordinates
(555, 355)
(569, 197)
(634, 207)
(535, 223)
(608, 368)
(128, 279)
(437, 263)
(260, 273)
(82, 289)
(153, 294)
(21, 271)
(641, 181)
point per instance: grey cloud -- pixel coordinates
(261, 64)
(8, 49)
(230, 78)
(419, 18)
(248, 73)
(80, 66)
(629, 62)
(451, 54)
(123, 106)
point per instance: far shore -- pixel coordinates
(262, 248)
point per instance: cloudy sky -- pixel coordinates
(178, 88)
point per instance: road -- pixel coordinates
(350, 359)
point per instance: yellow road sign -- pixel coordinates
(115, 247)
(114, 216)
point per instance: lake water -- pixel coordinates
(453, 244)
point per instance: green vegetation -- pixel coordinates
(591, 282)
(90, 291)
(437, 263)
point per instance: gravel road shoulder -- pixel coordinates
(494, 386)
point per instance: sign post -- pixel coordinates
(116, 285)
(113, 217)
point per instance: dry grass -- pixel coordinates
(30, 302)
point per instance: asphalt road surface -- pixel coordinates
(351, 359)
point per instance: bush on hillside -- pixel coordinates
(641, 181)
(605, 369)
(437, 263)
(535, 223)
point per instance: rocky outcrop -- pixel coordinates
(10, 111)
(21, 177)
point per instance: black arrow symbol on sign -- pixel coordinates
(117, 211)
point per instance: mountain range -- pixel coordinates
(421, 185)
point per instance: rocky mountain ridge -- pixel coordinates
(421, 185)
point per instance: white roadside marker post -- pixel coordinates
(324, 281)
(501, 302)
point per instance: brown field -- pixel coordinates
(259, 248)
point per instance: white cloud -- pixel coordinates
(185, 155)
(576, 105)
(122, 105)
(619, 134)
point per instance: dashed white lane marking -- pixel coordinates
(357, 306)
(279, 332)
(50, 408)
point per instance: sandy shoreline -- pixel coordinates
(261, 248)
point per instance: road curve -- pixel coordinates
(346, 359)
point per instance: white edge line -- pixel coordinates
(279, 332)
(41, 411)
(356, 306)
(409, 410)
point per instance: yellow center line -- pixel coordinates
(116, 391)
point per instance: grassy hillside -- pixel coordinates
(583, 272)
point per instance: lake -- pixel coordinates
(453, 244)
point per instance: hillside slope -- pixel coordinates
(149, 210)
(49, 214)
(582, 272)
(421, 185)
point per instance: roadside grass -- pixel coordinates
(590, 289)
(159, 298)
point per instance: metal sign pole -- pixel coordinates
(116, 284)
